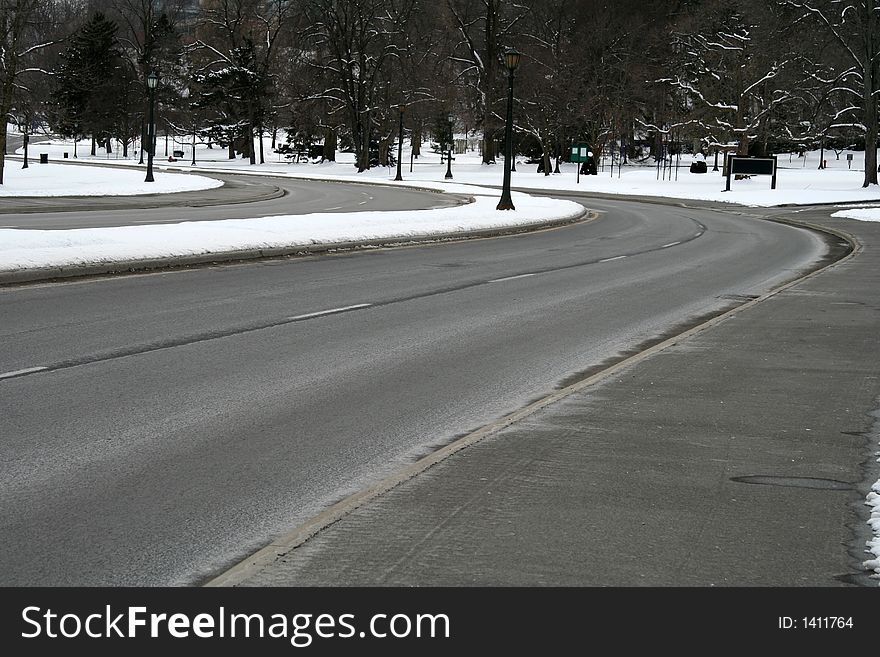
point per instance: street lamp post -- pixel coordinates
(450, 118)
(152, 81)
(511, 61)
(400, 109)
(24, 141)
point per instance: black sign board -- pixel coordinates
(751, 166)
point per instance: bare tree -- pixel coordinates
(151, 43)
(354, 40)
(727, 58)
(854, 25)
(240, 40)
(23, 25)
(484, 29)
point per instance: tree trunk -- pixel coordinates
(488, 148)
(545, 148)
(231, 145)
(366, 145)
(5, 106)
(870, 79)
(2, 149)
(329, 152)
(490, 63)
(363, 157)
(870, 102)
(383, 152)
(416, 140)
(94, 146)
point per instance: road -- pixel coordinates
(242, 197)
(157, 428)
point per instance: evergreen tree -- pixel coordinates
(90, 95)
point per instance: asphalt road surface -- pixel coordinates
(242, 197)
(157, 428)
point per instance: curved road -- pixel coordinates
(241, 197)
(158, 428)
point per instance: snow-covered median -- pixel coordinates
(68, 180)
(862, 214)
(41, 249)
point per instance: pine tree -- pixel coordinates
(90, 94)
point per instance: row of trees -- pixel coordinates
(750, 75)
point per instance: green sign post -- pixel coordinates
(580, 153)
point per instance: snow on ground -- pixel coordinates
(58, 180)
(799, 180)
(862, 214)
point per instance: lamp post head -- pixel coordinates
(152, 80)
(511, 59)
(401, 107)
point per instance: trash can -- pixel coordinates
(44, 158)
(65, 156)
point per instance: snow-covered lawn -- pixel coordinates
(799, 180)
(58, 180)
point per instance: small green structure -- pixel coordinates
(580, 153)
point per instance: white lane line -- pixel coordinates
(338, 207)
(666, 246)
(29, 370)
(332, 311)
(511, 278)
(362, 203)
(614, 258)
